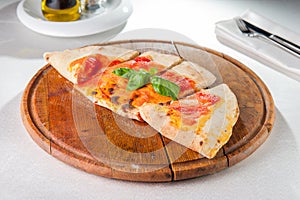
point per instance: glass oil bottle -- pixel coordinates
(61, 10)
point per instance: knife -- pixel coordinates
(281, 42)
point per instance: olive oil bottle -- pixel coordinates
(61, 10)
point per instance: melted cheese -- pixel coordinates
(147, 95)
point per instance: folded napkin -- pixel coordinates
(228, 33)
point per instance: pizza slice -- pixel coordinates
(84, 66)
(81, 64)
(202, 122)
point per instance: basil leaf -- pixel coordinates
(165, 87)
(138, 79)
(153, 71)
(123, 72)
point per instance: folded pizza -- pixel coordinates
(92, 69)
(202, 121)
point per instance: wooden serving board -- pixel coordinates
(71, 128)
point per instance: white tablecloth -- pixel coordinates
(27, 172)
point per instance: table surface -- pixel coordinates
(27, 172)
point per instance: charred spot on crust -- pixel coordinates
(201, 143)
(127, 107)
(170, 112)
(94, 92)
(111, 90)
(130, 101)
(114, 99)
(135, 97)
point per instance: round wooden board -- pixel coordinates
(69, 127)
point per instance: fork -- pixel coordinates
(272, 38)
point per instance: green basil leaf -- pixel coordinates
(165, 87)
(138, 80)
(123, 72)
(143, 71)
(153, 71)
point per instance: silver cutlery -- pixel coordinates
(256, 32)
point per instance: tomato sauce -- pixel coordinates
(88, 67)
(186, 85)
(147, 94)
(190, 110)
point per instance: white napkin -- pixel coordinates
(267, 53)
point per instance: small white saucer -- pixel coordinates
(116, 12)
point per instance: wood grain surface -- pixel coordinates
(72, 129)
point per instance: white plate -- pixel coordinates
(116, 12)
